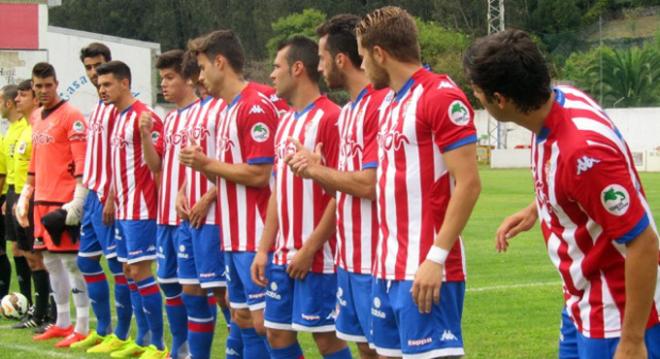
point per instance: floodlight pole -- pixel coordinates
(495, 24)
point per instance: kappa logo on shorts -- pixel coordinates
(151, 248)
(447, 335)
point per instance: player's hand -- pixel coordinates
(22, 206)
(426, 286)
(146, 124)
(193, 156)
(181, 206)
(109, 211)
(300, 264)
(199, 211)
(629, 349)
(258, 269)
(22, 220)
(520, 221)
(303, 159)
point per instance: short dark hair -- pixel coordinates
(305, 50)
(190, 67)
(341, 36)
(221, 42)
(119, 69)
(9, 93)
(44, 70)
(25, 85)
(511, 64)
(172, 59)
(95, 49)
(393, 29)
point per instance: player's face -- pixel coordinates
(111, 89)
(26, 102)
(493, 107)
(172, 85)
(334, 78)
(376, 74)
(281, 75)
(91, 63)
(209, 74)
(45, 89)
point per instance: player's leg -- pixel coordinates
(314, 308)
(278, 315)
(385, 331)
(122, 293)
(354, 301)
(567, 338)
(169, 284)
(59, 282)
(141, 244)
(5, 266)
(11, 228)
(80, 300)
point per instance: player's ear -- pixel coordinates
(500, 100)
(219, 62)
(378, 54)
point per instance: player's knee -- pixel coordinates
(88, 265)
(242, 318)
(220, 295)
(366, 352)
(328, 343)
(170, 290)
(35, 261)
(192, 289)
(259, 327)
(280, 338)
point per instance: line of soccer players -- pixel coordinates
(296, 215)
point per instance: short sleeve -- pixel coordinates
(329, 136)
(451, 119)
(370, 131)
(258, 124)
(599, 180)
(76, 127)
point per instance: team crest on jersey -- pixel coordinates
(155, 135)
(21, 148)
(78, 126)
(459, 113)
(260, 132)
(615, 199)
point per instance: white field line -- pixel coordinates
(37, 350)
(513, 286)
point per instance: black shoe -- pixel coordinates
(42, 328)
(29, 322)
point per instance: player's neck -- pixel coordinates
(356, 81)
(186, 100)
(55, 102)
(306, 93)
(232, 87)
(14, 116)
(125, 102)
(400, 73)
(535, 120)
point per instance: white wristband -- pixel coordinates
(437, 255)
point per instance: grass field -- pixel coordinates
(513, 300)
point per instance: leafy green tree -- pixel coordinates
(303, 23)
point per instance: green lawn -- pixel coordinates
(513, 301)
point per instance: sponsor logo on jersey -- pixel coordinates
(392, 140)
(260, 132)
(224, 144)
(459, 113)
(615, 199)
(42, 138)
(585, 163)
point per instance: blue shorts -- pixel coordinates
(166, 241)
(95, 237)
(200, 258)
(243, 292)
(400, 330)
(353, 305)
(307, 305)
(574, 345)
(136, 241)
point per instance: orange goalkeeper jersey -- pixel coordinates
(58, 153)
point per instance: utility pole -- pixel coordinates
(495, 24)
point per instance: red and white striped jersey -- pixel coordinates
(429, 116)
(280, 103)
(301, 202)
(202, 128)
(357, 218)
(175, 130)
(591, 204)
(97, 155)
(133, 182)
(246, 134)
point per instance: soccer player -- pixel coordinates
(594, 216)
(242, 168)
(27, 104)
(177, 89)
(54, 178)
(301, 282)
(354, 180)
(98, 233)
(134, 187)
(428, 184)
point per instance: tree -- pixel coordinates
(304, 23)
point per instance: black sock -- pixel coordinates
(23, 273)
(41, 293)
(5, 275)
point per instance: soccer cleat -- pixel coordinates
(129, 350)
(153, 353)
(109, 344)
(54, 331)
(29, 322)
(70, 339)
(92, 340)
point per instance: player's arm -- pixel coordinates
(641, 277)
(520, 221)
(302, 260)
(149, 151)
(199, 211)
(77, 145)
(258, 268)
(109, 207)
